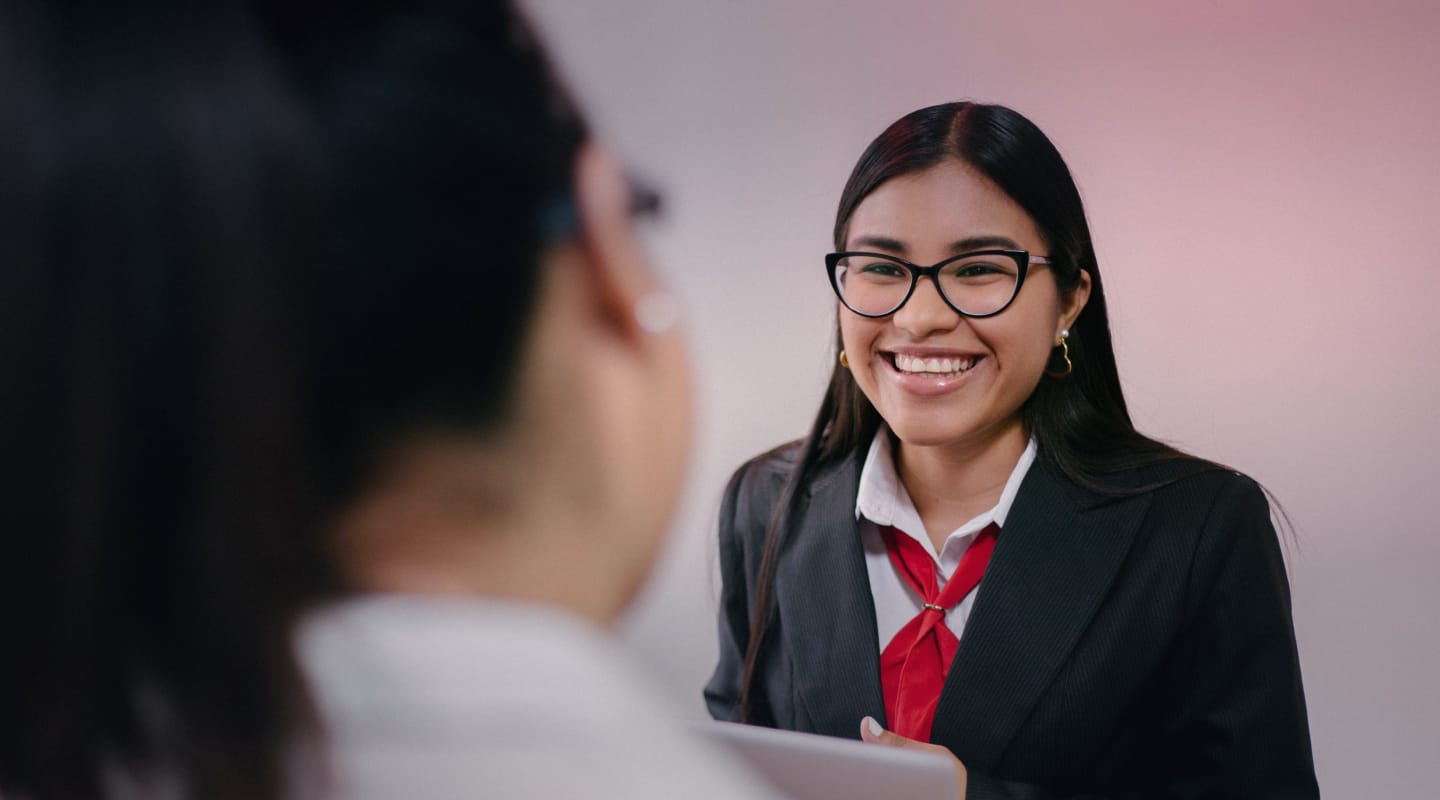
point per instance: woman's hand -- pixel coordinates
(871, 731)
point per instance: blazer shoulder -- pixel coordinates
(1213, 515)
(1207, 485)
(1185, 480)
(765, 473)
(1193, 504)
(777, 460)
(755, 488)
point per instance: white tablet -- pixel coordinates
(807, 766)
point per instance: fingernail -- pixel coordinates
(873, 726)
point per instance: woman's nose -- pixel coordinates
(926, 312)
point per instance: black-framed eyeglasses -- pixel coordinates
(981, 283)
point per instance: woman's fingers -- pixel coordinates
(871, 731)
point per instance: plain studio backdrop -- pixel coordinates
(1263, 184)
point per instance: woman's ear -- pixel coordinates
(611, 253)
(1072, 306)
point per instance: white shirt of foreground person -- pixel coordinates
(424, 697)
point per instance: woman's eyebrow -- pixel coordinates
(964, 245)
(879, 243)
(984, 242)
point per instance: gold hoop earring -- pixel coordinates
(844, 361)
(1065, 354)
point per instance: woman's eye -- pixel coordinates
(882, 269)
(979, 269)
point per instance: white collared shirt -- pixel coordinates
(457, 698)
(883, 501)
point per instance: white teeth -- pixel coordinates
(934, 366)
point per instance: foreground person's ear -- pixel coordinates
(613, 257)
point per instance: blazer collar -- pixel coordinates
(1053, 564)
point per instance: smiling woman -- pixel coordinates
(1130, 636)
(950, 382)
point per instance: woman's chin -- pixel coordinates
(946, 432)
(920, 434)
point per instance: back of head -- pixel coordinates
(246, 246)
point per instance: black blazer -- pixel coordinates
(1132, 647)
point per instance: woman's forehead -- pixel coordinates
(941, 208)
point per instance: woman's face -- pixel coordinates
(936, 377)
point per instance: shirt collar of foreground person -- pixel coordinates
(461, 698)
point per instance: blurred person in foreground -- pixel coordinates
(342, 413)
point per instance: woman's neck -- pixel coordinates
(951, 485)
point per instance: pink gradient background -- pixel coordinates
(1263, 184)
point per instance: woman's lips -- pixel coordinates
(929, 374)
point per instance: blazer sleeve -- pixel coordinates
(1235, 725)
(722, 693)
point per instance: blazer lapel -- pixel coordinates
(1053, 564)
(826, 609)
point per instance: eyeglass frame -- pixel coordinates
(559, 217)
(1022, 259)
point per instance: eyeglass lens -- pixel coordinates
(873, 285)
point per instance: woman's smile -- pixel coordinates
(928, 373)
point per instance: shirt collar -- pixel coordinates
(882, 498)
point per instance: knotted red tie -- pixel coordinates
(914, 664)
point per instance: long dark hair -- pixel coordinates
(244, 247)
(1080, 422)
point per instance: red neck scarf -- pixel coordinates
(914, 664)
